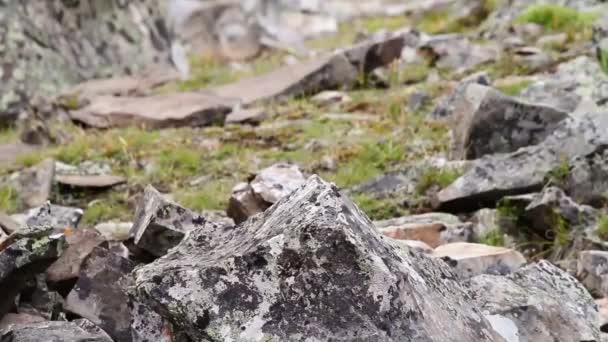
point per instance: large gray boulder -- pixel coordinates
(79, 330)
(485, 121)
(525, 170)
(313, 268)
(50, 45)
(539, 302)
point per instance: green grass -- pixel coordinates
(559, 174)
(213, 195)
(109, 207)
(493, 238)
(603, 55)
(435, 177)
(602, 227)
(557, 18)
(30, 159)
(9, 201)
(8, 135)
(378, 209)
(515, 88)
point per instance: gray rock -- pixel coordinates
(313, 247)
(19, 319)
(457, 52)
(592, 270)
(161, 224)
(252, 116)
(539, 302)
(451, 103)
(21, 257)
(578, 86)
(79, 330)
(58, 217)
(434, 229)
(418, 100)
(147, 325)
(585, 178)
(34, 184)
(485, 221)
(7, 224)
(98, 295)
(114, 231)
(471, 259)
(268, 186)
(80, 244)
(525, 170)
(48, 49)
(485, 121)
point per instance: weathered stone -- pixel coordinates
(456, 101)
(484, 121)
(11, 151)
(268, 186)
(48, 48)
(34, 184)
(592, 270)
(434, 229)
(80, 244)
(340, 70)
(315, 247)
(329, 97)
(415, 245)
(79, 330)
(252, 116)
(539, 302)
(602, 305)
(161, 224)
(99, 296)
(456, 52)
(525, 170)
(21, 257)
(471, 259)
(148, 326)
(154, 111)
(485, 221)
(18, 319)
(585, 178)
(93, 181)
(417, 101)
(578, 86)
(55, 216)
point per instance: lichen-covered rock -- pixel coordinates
(471, 259)
(99, 296)
(485, 121)
(50, 45)
(34, 184)
(268, 186)
(313, 268)
(539, 302)
(161, 224)
(79, 330)
(523, 171)
(434, 229)
(592, 270)
(57, 217)
(23, 256)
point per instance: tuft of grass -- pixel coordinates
(378, 209)
(179, 163)
(602, 227)
(378, 23)
(559, 174)
(30, 159)
(9, 202)
(8, 134)
(557, 18)
(108, 208)
(515, 88)
(603, 55)
(435, 177)
(213, 195)
(493, 238)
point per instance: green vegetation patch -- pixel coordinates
(557, 18)
(9, 201)
(436, 177)
(378, 209)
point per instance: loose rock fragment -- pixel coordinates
(99, 296)
(471, 259)
(80, 244)
(593, 271)
(79, 330)
(161, 224)
(34, 184)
